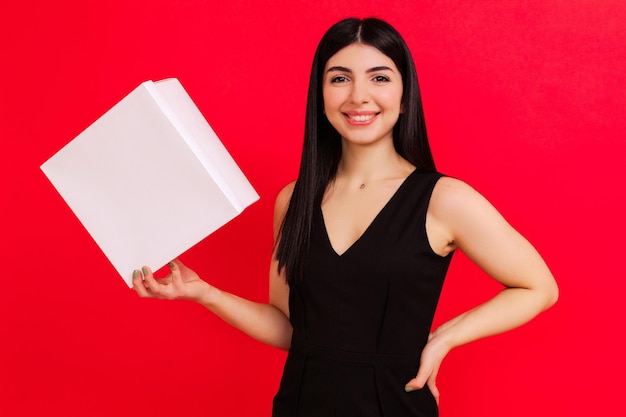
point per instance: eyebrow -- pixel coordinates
(348, 70)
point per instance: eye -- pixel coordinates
(381, 79)
(339, 79)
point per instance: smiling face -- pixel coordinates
(362, 91)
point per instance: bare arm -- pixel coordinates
(268, 323)
(469, 222)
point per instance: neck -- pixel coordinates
(364, 164)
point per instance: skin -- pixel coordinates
(361, 80)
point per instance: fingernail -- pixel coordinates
(171, 264)
(409, 389)
(144, 270)
(135, 274)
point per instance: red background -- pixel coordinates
(525, 100)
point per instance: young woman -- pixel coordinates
(364, 238)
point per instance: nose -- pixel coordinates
(359, 93)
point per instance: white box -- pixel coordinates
(150, 178)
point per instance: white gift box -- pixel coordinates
(150, 178)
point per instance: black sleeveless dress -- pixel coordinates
(361, 319)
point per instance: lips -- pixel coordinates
(360, 118)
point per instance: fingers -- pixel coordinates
(426, 375)
(417, 383)
(180, 283)
(423, 375)
(146, 285)
(413, 385)
(138, 284)
(149, 282)
(432, 386)
(175, 274)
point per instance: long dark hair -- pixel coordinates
(322, 143)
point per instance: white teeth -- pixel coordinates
(362, 118)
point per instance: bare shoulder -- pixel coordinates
(281, 204)
(283, 197)
(451, 194)
(448, 198)
(462, 210)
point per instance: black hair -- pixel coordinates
(322, 143)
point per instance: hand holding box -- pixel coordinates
(150, 178)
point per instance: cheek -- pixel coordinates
(392, 99)
(331, 99)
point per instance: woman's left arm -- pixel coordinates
(470, 223)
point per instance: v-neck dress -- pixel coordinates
(361, 319)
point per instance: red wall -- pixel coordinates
(525, 100)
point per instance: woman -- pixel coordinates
(364, 238)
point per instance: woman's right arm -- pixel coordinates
(268, 323)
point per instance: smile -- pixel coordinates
(360, 119)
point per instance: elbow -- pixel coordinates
(279, 344)
(284, 342)
(551, 294)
